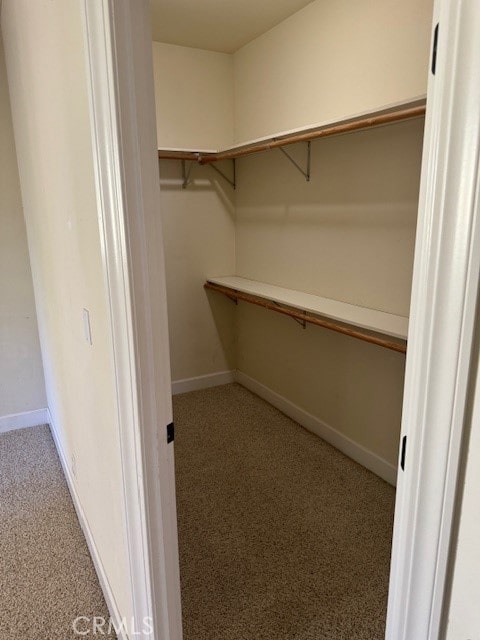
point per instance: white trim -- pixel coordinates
(96, 559)
(23, 420)
(119, 67)
(443, 312)
(99, 35)
(349, 447)
(202, 382)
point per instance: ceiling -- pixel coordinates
(217, 25)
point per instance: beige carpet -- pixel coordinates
(47, 578)
(281, 536)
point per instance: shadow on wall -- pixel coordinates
(349, 233)
(200, 178)
(224, 315)
(199, 236)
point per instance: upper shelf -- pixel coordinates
(370, 319)
(387, 115)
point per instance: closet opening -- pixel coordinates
(289, 140)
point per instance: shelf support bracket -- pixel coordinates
(231, 182)
(186, 173)
(305, 174)
(303, 323)
(233, 298)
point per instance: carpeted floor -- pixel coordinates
(282, 537)
(47, 578)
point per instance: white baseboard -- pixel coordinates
(352, 449)
(202, 382)
(97, 562)
(23, 420)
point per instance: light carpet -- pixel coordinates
(47, 578)
(282, 537)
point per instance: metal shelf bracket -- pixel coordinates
(225, 177)
(186, 173)
(305, 174)
(302, 323)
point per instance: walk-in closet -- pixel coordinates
(290, 144)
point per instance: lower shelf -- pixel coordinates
(364, 324)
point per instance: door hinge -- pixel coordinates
(170, 432)
(404, 452)
(434, 51)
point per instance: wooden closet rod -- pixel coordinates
(304, 317)
(194, 156)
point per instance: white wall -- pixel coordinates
(199, 236)
(348, 234)
(329, 60)
(22, 387)
(194, 97)
(194, 101)
(45, 58)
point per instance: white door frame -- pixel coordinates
(443, 309)
(445, 284)
(120, 77)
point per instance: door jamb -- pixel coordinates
(443, 310)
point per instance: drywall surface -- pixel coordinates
(330, 60)
(351, 386)
(45, 58)
(199, 236)
(194, 97)
(22, 387)
(348, 234)
(464, 613)
(217, 26)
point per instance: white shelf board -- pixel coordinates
(185, 150)
(371, 319)
(381, 110)
(417, 101)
